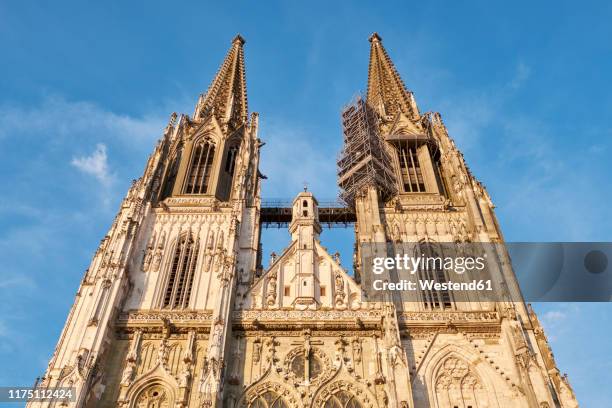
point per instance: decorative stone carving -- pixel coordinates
(356, 349)
(157, 257)
(339, 290)
(162, 352)
(271, 293)
(257, 350)
(154, 397)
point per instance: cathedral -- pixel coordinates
(177, 308)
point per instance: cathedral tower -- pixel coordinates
(152, 316)
(177, 310)
(410, 188)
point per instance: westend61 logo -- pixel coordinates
(485, 271)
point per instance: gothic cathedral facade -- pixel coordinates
(176, 309)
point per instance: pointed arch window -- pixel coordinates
(182, 271)
(342, 399)
(457, 385)
(171, 174)
(230, 163)
(432, 270)
(268, 399)
(410, 169)
(200, 168)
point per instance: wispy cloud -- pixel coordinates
(95, 164)
(58, 131)
(57, 119)
(557, 318)
(50, 220)
(291, 159)
(529, 161)
(16, 281)
(554, 317)
(523, 71)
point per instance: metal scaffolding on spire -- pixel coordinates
(363, 161)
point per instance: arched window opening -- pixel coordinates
(230, 162)
(200, 168)
(410, 168)
(268, 399)
(432, 270)
(171, 175)
(439, 178)
(182, 271)
(458, 386)
(342, 399)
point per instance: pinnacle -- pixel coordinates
(375, 37)
(386, 90)
(238, 39)
(226, 96)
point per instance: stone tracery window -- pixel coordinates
(307, 369)
(153, 397)
(457, 386)
(182, 272)
(268, 399)
(342, 399)
(200, 168)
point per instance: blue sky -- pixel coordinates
(87, 87)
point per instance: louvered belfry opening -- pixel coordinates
(230, 164)
(182, 271)
(200, 168)
(412, 176)
(172, 173)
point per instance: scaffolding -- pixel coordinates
(363, 161)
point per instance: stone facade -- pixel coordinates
(176, 310)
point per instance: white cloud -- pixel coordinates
(60, 131)
(523, 71)
(558, 318)
(95, 164)
(553, 317)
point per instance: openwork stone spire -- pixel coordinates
(226, 97)
(386, 91)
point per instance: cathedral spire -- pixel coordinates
(226, 97)
(386, 91)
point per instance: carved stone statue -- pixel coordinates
(128, 373)
(271, 294)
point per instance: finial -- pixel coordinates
(238, 39)
(375, 37)
(305, 186)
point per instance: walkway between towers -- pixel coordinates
(276, 213)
